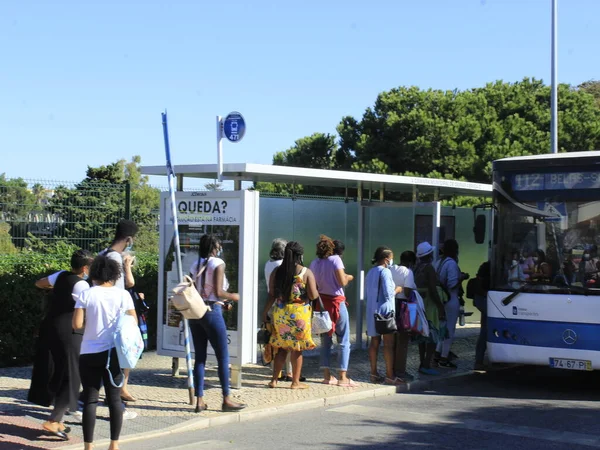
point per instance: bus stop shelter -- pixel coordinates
(359, 187)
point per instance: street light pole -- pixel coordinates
(554, 76)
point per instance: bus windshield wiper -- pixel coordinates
(508, 300)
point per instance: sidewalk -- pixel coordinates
(162, 399)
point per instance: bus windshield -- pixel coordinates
(546, 239)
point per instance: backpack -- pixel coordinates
(129, 345)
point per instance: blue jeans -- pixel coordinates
(211, 328)
(480, 303)
(342, 331)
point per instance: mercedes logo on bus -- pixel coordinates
(569, 337)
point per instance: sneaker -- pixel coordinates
(127, 414)
(76, 415)
(425, 371)
(452, 356)
(480, 367)
(445, 364)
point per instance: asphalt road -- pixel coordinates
(515, 409)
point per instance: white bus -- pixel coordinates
(544, 313)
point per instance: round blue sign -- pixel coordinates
(234, 127)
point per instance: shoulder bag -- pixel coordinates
(321, 322)
(384, 323)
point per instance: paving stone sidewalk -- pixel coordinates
(162, 400)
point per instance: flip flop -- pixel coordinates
(394, 381)
(348, 384)
(57, 433)
(377, 379)
(331, 381)
(300, 386)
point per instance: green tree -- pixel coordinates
(16, 200)
(591, 87)
(94, 206)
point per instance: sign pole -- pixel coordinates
(554, 80)
(186, 328)
(219, 149)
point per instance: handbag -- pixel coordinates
(263, 336)
(321, 322)
(384, 323)
(188, 301)
(129, 345)
(403, 317)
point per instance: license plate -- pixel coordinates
(570, 364)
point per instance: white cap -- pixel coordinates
(424, 249)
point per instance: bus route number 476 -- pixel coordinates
(570, 364)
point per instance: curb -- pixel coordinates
(269, 411)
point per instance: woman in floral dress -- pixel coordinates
(292, 289)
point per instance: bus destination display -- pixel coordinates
(555, 181)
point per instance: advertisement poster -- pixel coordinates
(221, 214)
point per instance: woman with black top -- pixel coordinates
(64, 345)
(212, 284)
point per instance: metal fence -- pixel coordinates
(42, 211)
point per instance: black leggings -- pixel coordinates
(92, 368)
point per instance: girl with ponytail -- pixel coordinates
(292, 288)
(212, 284)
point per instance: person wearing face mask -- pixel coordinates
(403, 276)
(213, 286)
(380, 292)
(120, 252)
(451, 278)
(543, 271)
(590, 264)
(61, 387)
(516, 277)
(526, 263)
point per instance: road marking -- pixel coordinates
(208, 444)
(395, 416)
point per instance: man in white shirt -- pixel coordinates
(403, 277)
(120, 251)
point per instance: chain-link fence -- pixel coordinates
(40, 212)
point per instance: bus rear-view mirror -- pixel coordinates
(479, 229)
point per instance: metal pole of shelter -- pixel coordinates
(554, 76)
(435, 232)
(186, 328)
(360, 286)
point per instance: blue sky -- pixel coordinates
(84, 82)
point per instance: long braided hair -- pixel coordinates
(284, 277)
(208, 243)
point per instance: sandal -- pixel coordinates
(377, 379)
(47, 426)
(394, 381)
(331, 381)
(348, 384)
(128, 398)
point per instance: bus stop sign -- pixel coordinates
(234, 127)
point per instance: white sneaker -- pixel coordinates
(77, 415)
(127, 415)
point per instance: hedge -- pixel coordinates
(22, 304)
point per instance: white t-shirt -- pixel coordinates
(209, 289)
(102, 309)
(270, 266)
(79, 287)
(404, 277)
(116, 256)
